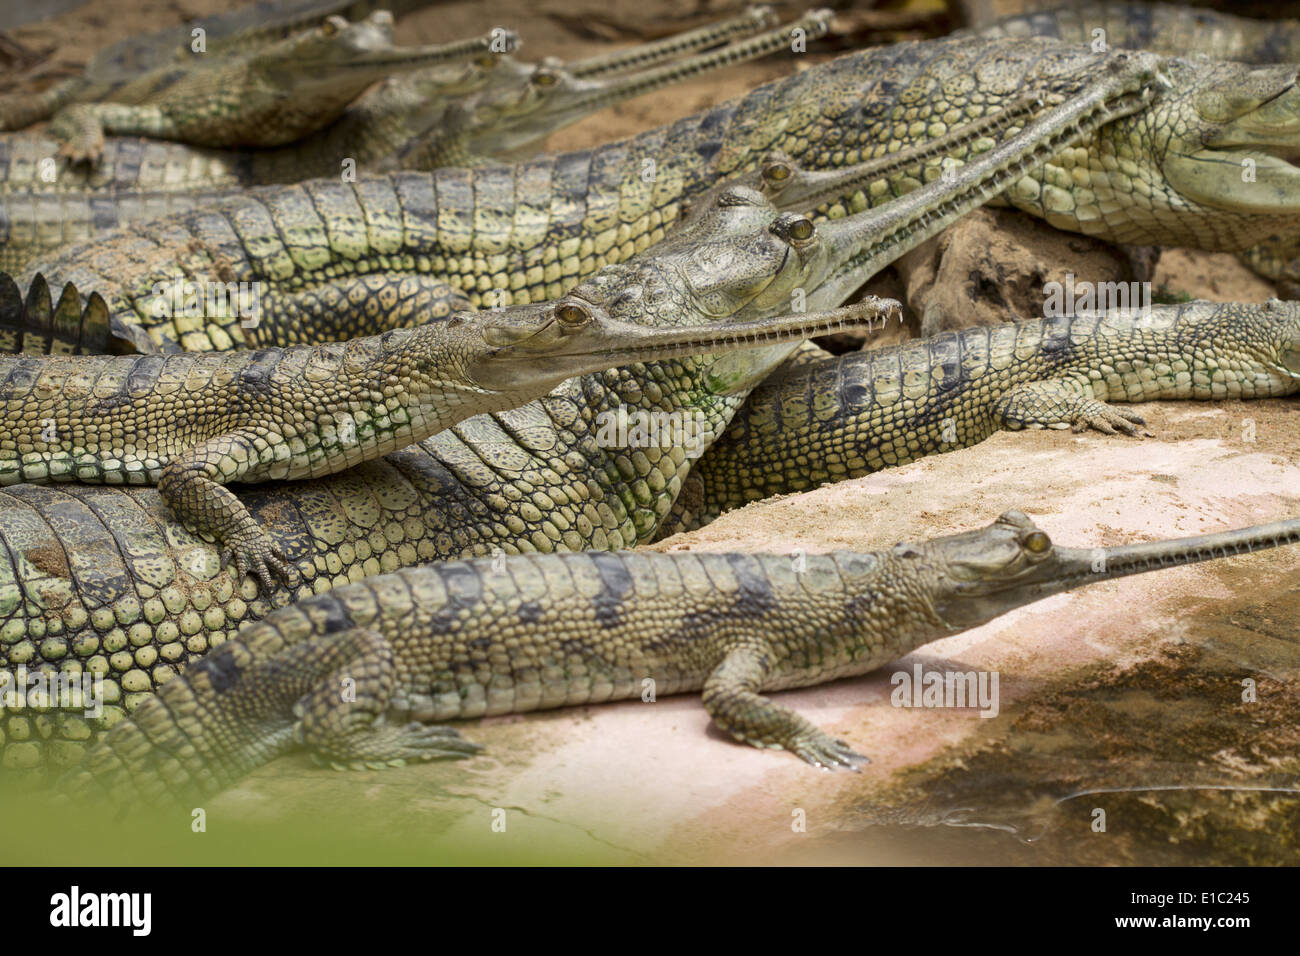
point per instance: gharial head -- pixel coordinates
(1228, 136)
(737, 255)
(503, 120)
(975, 576)
(736, 251)
(334, 42)
(515, 104)
(526, 350)
(483, 71)
(521, 105)
(740, 258)
(346, 54)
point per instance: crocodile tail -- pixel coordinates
(37, 325)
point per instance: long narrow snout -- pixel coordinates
(1084, 565)
(553, 352)
(1011, 563)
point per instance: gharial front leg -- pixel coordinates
(1058, 404)
(731, 697)
(81, 127)
(192, 483)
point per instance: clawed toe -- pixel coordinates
(88, 154)
(264, 561)
(439, 741)
(830, 754)
(396, 746)
(1111, 421)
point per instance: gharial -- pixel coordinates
(194, 422)
(250, 26)
(470, 639)
(829, 419)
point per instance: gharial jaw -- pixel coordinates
(1239, 152)
(343, 54)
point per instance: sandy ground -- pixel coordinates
(1131, 684)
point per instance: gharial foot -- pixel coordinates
(1055, 404)
(380, 747)
(1105, 418)
(730, 698)
(822, 750)
(257, 554)
(80, 133)
(83, 150)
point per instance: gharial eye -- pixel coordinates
(571, 314)
(487, 61)
(801, 230)
(1037, 542)
(332, 25)
(545, 79)
(777, 172)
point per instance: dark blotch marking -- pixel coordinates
(615, 582)
(755, 594)
(854, 394)
(337, 616)
(1056, 338)
(144, 374)
(222, 669)
(694, 625)
(946, 357)
(464, 593)
(858, 605)
(22, 376)
(103, 213)
(130, 153)
(530, 612)
(171, 78)
(256, 376)
(711, 132)
(570, 183)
